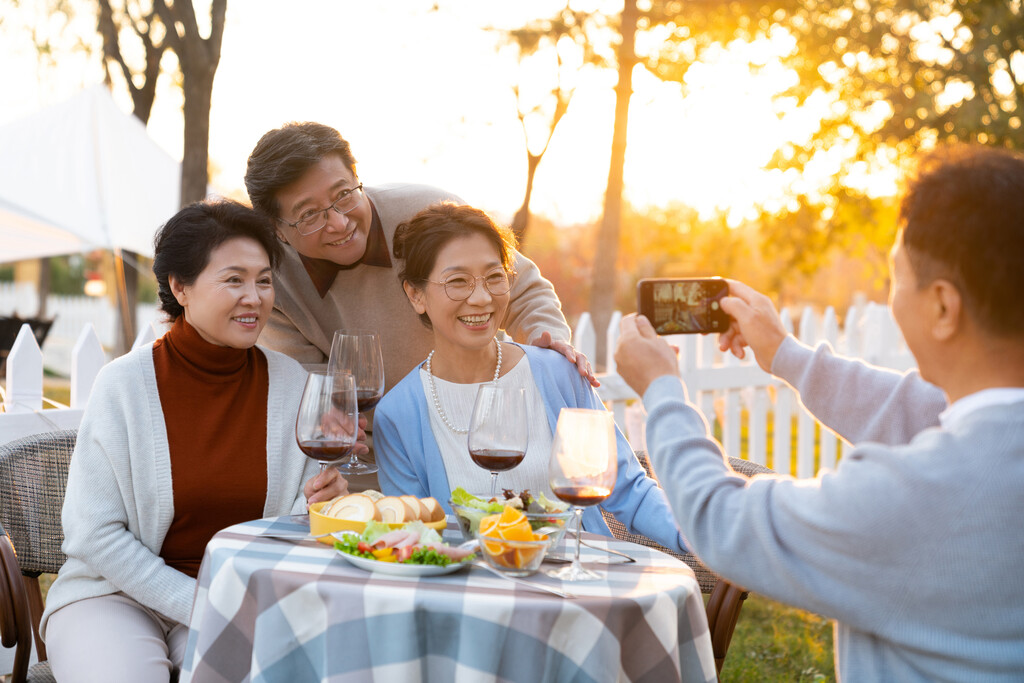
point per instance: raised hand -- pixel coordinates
(755, 323)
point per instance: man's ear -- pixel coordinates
(947, 309)
(177, 289)
(415, 297)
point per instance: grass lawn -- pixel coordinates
(772, 642)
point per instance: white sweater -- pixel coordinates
(119, 501)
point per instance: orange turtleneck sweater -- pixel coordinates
(214, 400)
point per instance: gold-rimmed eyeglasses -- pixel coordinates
(460, 286)
(314, 220)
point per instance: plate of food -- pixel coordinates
(415, 549)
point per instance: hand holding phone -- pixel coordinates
(683, 305)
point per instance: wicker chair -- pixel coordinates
(725, 600)
(33, 476)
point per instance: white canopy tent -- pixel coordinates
(82, 175)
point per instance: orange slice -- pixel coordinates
(510, 517)
(517, 532)
(489, 525)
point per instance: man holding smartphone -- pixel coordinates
(912, 544)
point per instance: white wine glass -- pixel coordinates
(498, 432)
(582, 471)
(327, 424)
(358, 352)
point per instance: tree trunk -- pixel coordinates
(127, 279)
(44, 287)
(602, 296)
(521, 221)
(194, 164)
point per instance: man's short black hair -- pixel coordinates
(962, 220)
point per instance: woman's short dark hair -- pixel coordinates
(183, 245)
(962, 220)
(284, 154)
(419, 240)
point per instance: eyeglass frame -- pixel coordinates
(358, 189)
(475, 278)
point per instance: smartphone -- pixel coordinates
(683, 305)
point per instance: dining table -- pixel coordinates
(273, 610)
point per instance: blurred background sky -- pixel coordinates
(424, 93)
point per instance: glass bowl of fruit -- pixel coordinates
(542, 514)
(509, 545)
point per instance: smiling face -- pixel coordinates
(461, 326)
(230, 301)
(343, 239)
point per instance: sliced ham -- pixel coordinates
(455, 554)
(398, 538)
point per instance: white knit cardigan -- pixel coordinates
(119, 501)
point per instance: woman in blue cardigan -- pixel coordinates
(456, 271)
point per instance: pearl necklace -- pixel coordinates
(433, 389)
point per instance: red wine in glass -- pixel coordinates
(582, 496)
(368, 398)
(358, 352)
(582, 471)
(497, 460)
(498, 430)
(325, 451)
(327, 423)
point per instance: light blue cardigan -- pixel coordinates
(410, 462)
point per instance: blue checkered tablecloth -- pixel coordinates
(273, 611)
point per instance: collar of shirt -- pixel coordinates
(322, 272)
(978, 400)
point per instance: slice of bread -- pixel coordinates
(374, 495)
(421, 512)
(435, 513)
(394, 510)
(355, 506)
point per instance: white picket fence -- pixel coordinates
(22, 395)
(740, 400)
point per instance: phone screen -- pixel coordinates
(684, 306)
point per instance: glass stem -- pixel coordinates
(494, 484)
(579, 530)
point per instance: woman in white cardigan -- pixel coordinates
(180, 438)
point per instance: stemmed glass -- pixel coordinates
(327, 425)
(498, 433)
(358, 352)
(582, 471)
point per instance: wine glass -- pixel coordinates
(327, 424)
(498, 429)
(358, 352)
(582, 471)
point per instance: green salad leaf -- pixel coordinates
(461, 496)
(550, 505)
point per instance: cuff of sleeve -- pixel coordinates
(790, 359)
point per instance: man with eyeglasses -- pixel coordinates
(338, 273)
